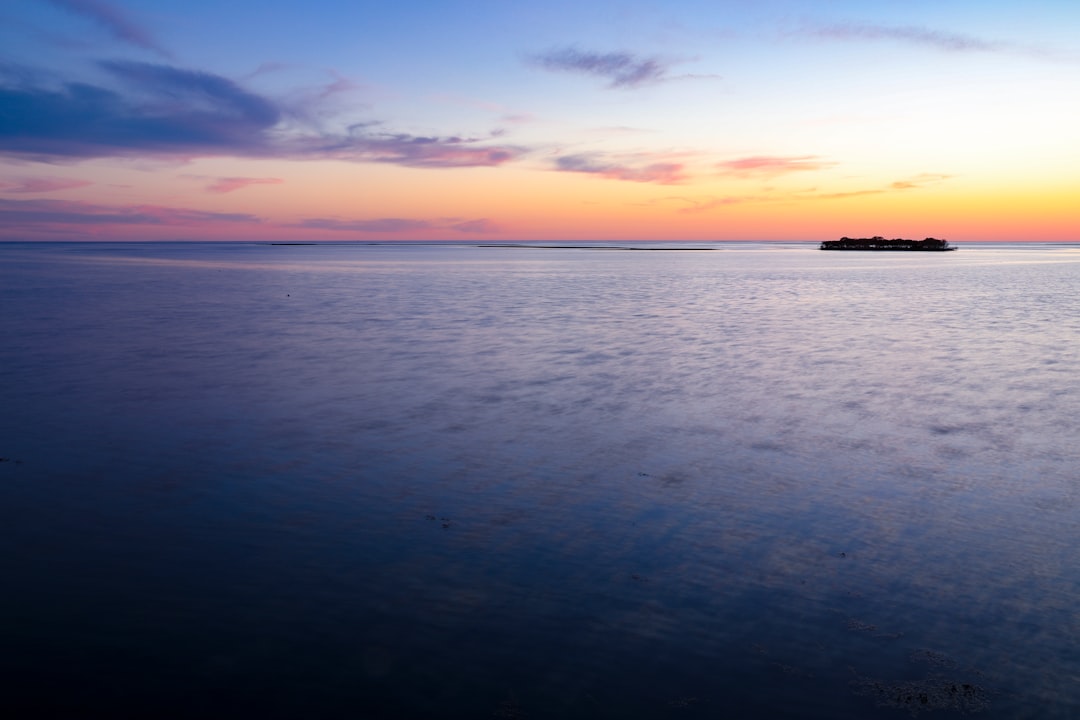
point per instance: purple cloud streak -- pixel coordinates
(664, 173)
(398, 225)
(112, 19)
(952, 42)
(68, 212)
(377, 225)
(41, 185)
(620, 69)
(408, 150)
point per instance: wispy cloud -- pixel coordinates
(518, 118)
(709, 203)
(919, 181)
(481, 226)
(313, 105)
(916, 182)
(73, 213)
(229, 184)
(841, 195)
(160, 110)
(115, 21)
(408, 150)
(953, 42)
(375, 225)
(398, 225)
(620, 69)
(41, 184)
(769, 165)
(633, 169)
(610, 130)
(712, 203)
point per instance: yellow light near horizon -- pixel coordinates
(528, 200)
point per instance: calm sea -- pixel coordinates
(456, 481)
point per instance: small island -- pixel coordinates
(879, 243)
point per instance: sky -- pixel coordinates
(487, 120)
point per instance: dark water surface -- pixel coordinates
(452, 481)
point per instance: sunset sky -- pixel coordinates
(483, 120)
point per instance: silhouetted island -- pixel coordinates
(879, 243)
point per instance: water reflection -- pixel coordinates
(409, 481)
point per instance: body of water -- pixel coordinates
(622, 481)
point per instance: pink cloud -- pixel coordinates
(229, 184)
(41, 185)
(771, 165)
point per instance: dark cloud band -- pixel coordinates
(162, 110)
